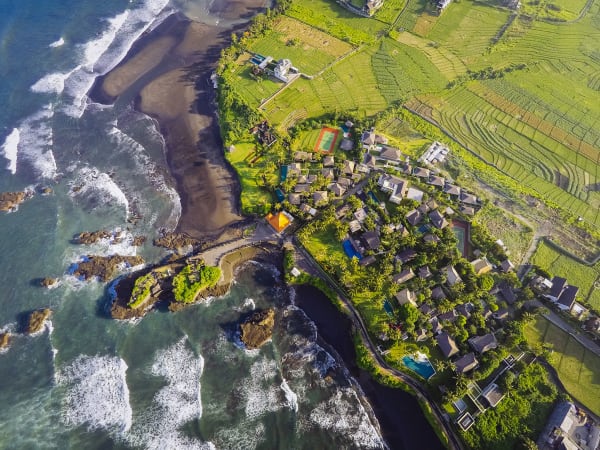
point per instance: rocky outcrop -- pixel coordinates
(10, 201)
(37, 319)
(4, 340)
(46, 190)
(138, 241)
(177, 242)
(258, 328)
(104, 267)
(48, 282)
(91, 237)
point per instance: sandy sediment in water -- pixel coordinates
(168, 72)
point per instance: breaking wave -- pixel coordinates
(10, 149)
(96, 393)
(174, 405)
(98, 187)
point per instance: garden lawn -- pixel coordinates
(577, 274)
(578, 368)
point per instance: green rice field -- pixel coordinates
(521, 91)
(577, 274)
(577, 367)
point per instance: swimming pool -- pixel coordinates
(350, 250)
(422, 366)
(387, 306)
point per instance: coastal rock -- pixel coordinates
(37, 319)
(47, 190)
(258, 328)
(4, 340)
(91, 237)
(138, 241)
(177, 241)
(10, 201)
(48, 282)
(104, 267)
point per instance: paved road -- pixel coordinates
(308, 264)
(263, 233)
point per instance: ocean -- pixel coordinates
(172, 380)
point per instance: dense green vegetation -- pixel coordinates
(576, 366)
(141, 290)
(192, 279)
(577, 274)
(523, 412)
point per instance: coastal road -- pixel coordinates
(309, 265)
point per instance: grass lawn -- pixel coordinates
(578, 368)
(577, 274)
(253, 194)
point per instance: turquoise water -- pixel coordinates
(423, 368)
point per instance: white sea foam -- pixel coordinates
(290, 395)
(10, 149)
(96, 393)
(32, 142)
(344, 415)
(177, 403)
(261, 391)
(101, 54)
(147, 166)
(57, 43)
(52, 83)
(92, 183)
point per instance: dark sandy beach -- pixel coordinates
(168, 73)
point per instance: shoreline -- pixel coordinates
(401, 421)
(166, 73)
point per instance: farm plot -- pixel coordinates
(449, 65)
(348, 86)
(559, 10)
(251, 88)
(577, 274)
(336, 21)
(309, 49)
(577, 367)
(402, 71)
(467, 29)
(504, 139)
(390, 10)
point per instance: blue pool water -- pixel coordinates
(280, 196)
(423, 368)
(284, 170)
(388, 308)
(374, 197)
(350, 250)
